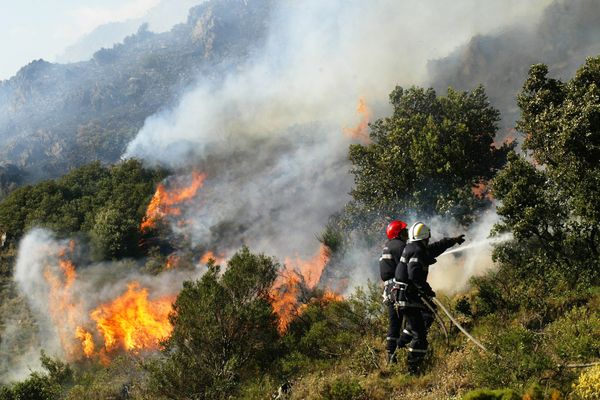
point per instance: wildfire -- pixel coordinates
(87, 341)
(64, 311)
(172, 261)
(286, 288)
(360, 132)
(509, 137)
(165, 202)
(310, 270)
(132, 321)
(481, 190)
(219, 259)
(285, 298)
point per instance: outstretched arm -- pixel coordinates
(437, 248)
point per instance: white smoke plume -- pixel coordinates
(279, 118)
(458, 264)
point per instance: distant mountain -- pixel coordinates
(567, 33)
(54, 117)
(160, 18)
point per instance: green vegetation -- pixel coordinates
(225, 332)
(421, 159)
(537, 312)
(107, 203)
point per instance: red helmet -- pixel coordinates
(394, 228)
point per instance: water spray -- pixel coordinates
(479, 243)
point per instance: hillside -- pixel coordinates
(54, 117)
(567, 32)
(201, 213)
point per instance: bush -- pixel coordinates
(587, 386)
(486, 394)
(343, 389)
(224, 331)
(520, 359)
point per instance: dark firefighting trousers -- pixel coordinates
(394, 328)
(418, 320)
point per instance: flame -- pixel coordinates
(481, 190)
(310, 270)
(87, 341)
(360, 132)
(165, 202)
(508, 137)
(219, 259)
(172, 261)
(284, 300)
(286, 288)
(64, 311)
(132, 321)
(330, 296)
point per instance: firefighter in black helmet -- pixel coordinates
(390, 257)
(412, 271)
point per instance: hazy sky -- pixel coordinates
(33, 29)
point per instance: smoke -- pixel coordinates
(61, 299)
(272, 133)
(457, 265)
(113, 26)
(562, 37)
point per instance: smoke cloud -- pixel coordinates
(279, 119)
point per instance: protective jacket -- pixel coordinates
(413, 267)
(390, 257)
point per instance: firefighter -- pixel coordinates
(390, 257)
(412, 272)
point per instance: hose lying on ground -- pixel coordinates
(455, 322)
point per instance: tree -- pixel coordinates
(224, 331)
(552, 206)
(105, 202)
(425, 158)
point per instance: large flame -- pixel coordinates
(132, 321)
(361, 131)
(87, 341)
(64, 311)
(286, 289)
(166, 202)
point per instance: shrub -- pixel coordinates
(343, 389)
(587, 386)
(486, 394)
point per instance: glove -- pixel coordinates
(460, 239)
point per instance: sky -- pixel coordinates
(34, 29)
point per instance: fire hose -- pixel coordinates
(454, 321)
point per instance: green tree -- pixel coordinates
(49, 385)
(105, 202)
(425, 158)
(224, 331)
(552, 206)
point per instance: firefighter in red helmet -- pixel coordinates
(390, 257)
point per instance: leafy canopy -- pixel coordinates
(224, 331)
(552, 206)
(426, 157)
(106, 202)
